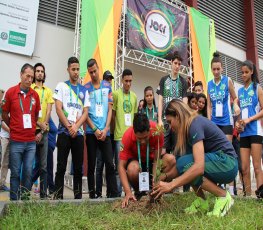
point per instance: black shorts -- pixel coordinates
(245, 142)
(227, 129)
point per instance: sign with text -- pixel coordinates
(157, 28)
(18, 25)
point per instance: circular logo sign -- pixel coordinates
(158, 30)
(4, 36)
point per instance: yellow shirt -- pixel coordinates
(45, 97)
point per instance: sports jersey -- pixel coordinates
(219, 96)
(249, 105)
(45, 96)
(129, 150)
(213, 138)
(152, 114)
(72, 97)
(170, 89)
(19, 103)
(99, 97)
(123, 104)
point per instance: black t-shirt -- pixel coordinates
(214, 139)
(171, 89)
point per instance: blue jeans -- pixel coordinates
(21, 153)
(40, 168)
(116, 161)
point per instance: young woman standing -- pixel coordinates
(251, 104)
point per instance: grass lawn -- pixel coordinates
(245, 214)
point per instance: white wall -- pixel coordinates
(53, 46)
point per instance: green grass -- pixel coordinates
(245, 214)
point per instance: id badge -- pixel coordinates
(244, 113)
(27, 121)
(219, 110)
(127, 119)
(40, 113)
(144, 182)
(72, 115)
(99, 110)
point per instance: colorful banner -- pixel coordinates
(18, 25)
(100, 21)
(157, 28)
(203, 45)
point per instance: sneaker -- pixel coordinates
(222, 205)
(199, 205)
(4, 188)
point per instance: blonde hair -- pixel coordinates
(185, 115)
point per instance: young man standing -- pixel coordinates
(124, 107)
(72, 102)
(107, 76)
(138, 156)
(46, 101)
(98, 129)
(170, 87)
(22, 104)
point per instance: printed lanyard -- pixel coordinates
(124, 104)
(147, 113)
(21, 104)
(42, 97)
(176, 86)
(139, 156)
(71, 93)
(94, 90)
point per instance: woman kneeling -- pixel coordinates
(204, 158)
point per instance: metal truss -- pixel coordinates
(77, 31)
(123, 54)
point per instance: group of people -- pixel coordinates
(195, 143)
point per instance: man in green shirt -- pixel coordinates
(124, 107)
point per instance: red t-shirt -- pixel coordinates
(128, 149)
(12, 106)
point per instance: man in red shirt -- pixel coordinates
(138, 152)
(20, 112)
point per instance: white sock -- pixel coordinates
(231, 190)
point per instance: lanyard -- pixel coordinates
(147, 113)
(124, 104)
(21, 104)
(139, 156)
(42, 97)
(94, 90)
(71, 93)
(176, 86)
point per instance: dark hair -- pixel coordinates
(126, 72)
(144, 101)
(216, 58)
(25, 66)
(91, 62)
(190, 96)
(176, 55)
(198, 83)
(35, 68)
(254, 77)
(72, 60)
(141, 123)
(204, 111)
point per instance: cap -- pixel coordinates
(107, 75)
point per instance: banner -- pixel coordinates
(203, 45)
(100, 22)
(157, 28)
(18, 25)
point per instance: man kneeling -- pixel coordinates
(138, 154)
